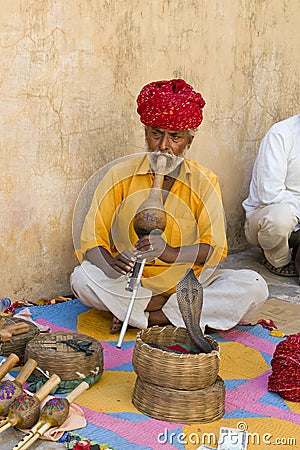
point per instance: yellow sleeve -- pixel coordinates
(97, 225)
(211, 220)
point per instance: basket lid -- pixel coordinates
(70, 355)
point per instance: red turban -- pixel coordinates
(171, 105)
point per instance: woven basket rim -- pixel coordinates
(158, 351)
(18, 342)
(12, 320)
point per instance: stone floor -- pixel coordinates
(282, 288)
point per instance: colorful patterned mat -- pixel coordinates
(246, 353)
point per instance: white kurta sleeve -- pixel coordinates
(271, 169)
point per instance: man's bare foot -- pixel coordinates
(115, 325)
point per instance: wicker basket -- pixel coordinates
(175, 405)
(18, 342)
(170, 369)
(60, 358)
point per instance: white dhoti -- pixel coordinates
(229, 296)
(270, 227)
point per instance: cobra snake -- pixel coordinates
(190, 300)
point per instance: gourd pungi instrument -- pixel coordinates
(24, 411)
(10, 390)
(150, 217)
(53, 414)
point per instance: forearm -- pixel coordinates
(155, 246)
(101, 258)
(197, 254)
(112, 266)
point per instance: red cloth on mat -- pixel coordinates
(285, 377)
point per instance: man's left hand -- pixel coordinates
(152, 246)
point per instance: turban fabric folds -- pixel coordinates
(171, 105)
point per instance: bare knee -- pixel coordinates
(257, 287)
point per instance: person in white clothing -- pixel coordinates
(273, 205)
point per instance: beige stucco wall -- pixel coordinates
(70, 73)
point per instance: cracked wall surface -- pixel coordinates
(70, 73)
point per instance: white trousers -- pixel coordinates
(270, 227)
(229, 296)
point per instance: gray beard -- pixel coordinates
(172, 161)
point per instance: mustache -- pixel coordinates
(173, 161)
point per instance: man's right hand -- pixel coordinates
(122, 263)
(113, 267)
